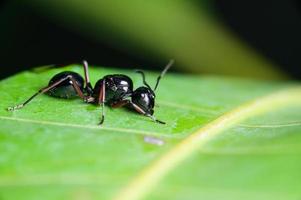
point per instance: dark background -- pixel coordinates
(29, 39)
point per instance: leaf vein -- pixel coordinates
(123, 130)
(149, 177)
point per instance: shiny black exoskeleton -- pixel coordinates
(65, 89)
(145, 98)
(117, 87)
(115, 90)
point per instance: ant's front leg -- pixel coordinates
(154, 119)
(120, 103)
(46, 89)
(136, 107)
(141, 111)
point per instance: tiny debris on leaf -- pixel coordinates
(154, 140)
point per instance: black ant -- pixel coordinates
(115, 90)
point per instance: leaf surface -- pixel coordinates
(225, 138)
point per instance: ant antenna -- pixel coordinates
(171, 62)
(143, 78)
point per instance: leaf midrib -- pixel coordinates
(122, 130)
(142, 132)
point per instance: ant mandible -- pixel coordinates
(115, 90)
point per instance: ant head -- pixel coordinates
(144, 97)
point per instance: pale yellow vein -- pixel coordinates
(279, 125)
(149, 177)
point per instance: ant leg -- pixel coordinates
(88, 86)
(136, 107)
(101, 100)
(77, 89)
(156, 120)
(19, 106)
(46, 89)
(141, 111)
(120, 103)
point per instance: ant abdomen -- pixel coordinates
(65, 89)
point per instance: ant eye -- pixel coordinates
(142, 95)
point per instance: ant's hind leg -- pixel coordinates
(19, 106)
(78, 90)
(88, 86)
(46, 89)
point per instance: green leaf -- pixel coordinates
(225, 138)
